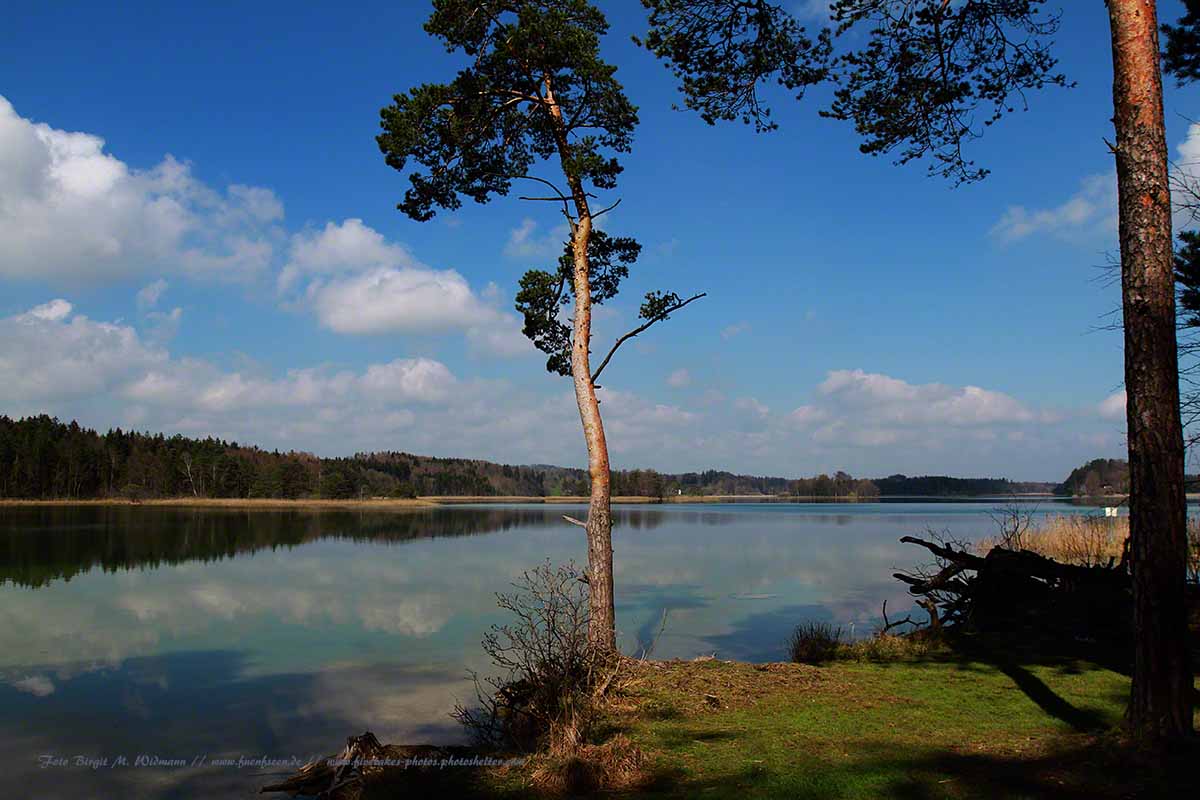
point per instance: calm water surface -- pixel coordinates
(177, 633)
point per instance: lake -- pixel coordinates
(185, 636)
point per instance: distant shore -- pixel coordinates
(435, 501)
(395, 504)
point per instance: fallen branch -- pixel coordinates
(1009, 589)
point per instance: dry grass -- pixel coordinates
(616, 765)
(1069, 538)
(1085, 540)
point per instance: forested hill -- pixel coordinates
(1100, 476)
(42, 458)
(943, 486)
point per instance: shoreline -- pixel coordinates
(437, 501)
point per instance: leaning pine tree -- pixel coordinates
(535, 92)
(921, 79)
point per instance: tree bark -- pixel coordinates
(602, 630)
(1160, 708)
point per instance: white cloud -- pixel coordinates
(360, 283)
(51, 312)
(524, 243)
(679, 379)
(807, 415)
(891, 400)
(71, 211)
(55, 360)
(163, 325)
(46, 354)
(1093, 207)
(388, 300)
(500, 336)
(420, 379)
(1092, 210)
(149, 295)
(36, 685)
(350, 246)
(751, 405)
(1113, 406)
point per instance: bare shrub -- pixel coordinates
(814, 643)
(1014, 523)
(546, 696)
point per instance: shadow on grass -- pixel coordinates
(1056, 706)
(1099, 768)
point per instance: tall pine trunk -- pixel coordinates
(602, 631)
(602, 624)
(1160, 707)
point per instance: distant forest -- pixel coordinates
(43, 458)
(1100, 476)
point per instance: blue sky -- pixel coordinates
(218, 162)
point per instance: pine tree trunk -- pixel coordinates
(602, 626)
(602, 615)
(1160, 708)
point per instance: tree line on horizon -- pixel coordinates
(44, 458)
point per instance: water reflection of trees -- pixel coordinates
(41, 545)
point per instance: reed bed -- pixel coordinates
(1086, 540)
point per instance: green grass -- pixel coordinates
(935, 728)
(979, 723)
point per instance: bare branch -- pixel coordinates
(574, 521)
(640, 329)
(606, 210)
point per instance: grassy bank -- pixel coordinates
(944, 726)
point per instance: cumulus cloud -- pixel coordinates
(1113, 406)
(56, 360)
(525, 243)
(122, 221)
(48, 354)
(388, 300)
(163, 325)
(360, 283)
(807, 415)
(752, 406)
(149, 295)
(893, 400)
(349, 246)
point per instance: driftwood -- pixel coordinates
(342, 777)
(1009, 590)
